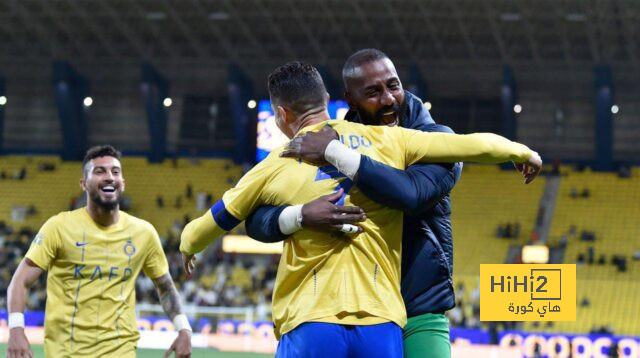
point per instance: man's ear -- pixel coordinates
(83, 184)
(286, 115)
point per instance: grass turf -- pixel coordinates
(38, 352)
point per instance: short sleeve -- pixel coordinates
(155, 264)
(44, 247)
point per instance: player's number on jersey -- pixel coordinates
(330, 172)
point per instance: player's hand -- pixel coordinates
(188, 264)
(310, 146)
(324, 214)
(530, 169)
(18, 346)
(181, 345)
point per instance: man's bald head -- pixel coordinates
(355, 61)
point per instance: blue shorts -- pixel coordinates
(322, 340)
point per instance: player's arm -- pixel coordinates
(168, 295)
(156, 267)
(274, 223)
(486, 148)
(236, 204)
(414, 190)
(200, 233)
(420, 147)
(26, 274)
(172, 305)
(263, 224)
(197, 235)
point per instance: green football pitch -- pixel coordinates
(38, 352)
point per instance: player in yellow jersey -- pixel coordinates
(93, 256)
(336, 297)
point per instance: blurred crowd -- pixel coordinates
(14, 243)
(466, 313)
(220, 279)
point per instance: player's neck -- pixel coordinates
(312, 117)
(101, 216)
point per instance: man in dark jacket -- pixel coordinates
(376, 97)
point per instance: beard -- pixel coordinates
(94, 196)
(376, 119)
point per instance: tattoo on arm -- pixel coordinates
(168, 294)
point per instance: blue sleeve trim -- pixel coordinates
(222, 217)
(262, 224)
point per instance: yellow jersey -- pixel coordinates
(92, 270)
(331, 277)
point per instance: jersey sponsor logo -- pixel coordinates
(81, 244)
(97, 273)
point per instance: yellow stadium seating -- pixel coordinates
(485, 197)
(612, 212)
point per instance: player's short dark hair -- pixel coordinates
(298, 86)
(97, 152)
(358, 59)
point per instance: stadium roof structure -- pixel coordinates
(259, 35)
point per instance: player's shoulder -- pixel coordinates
(64, 218)
(353, 127)
(135, 222)
(274, 159)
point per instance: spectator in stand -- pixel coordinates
(573, 192)
(201, 201)
(624, 171)
(580, 259)
(22, 174)
(516, 230)
(555, 169)
(189, 191)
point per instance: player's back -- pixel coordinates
(91, 282)
(323, 275)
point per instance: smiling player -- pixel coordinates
(93, 256)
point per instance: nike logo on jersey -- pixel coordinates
(81, 244)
